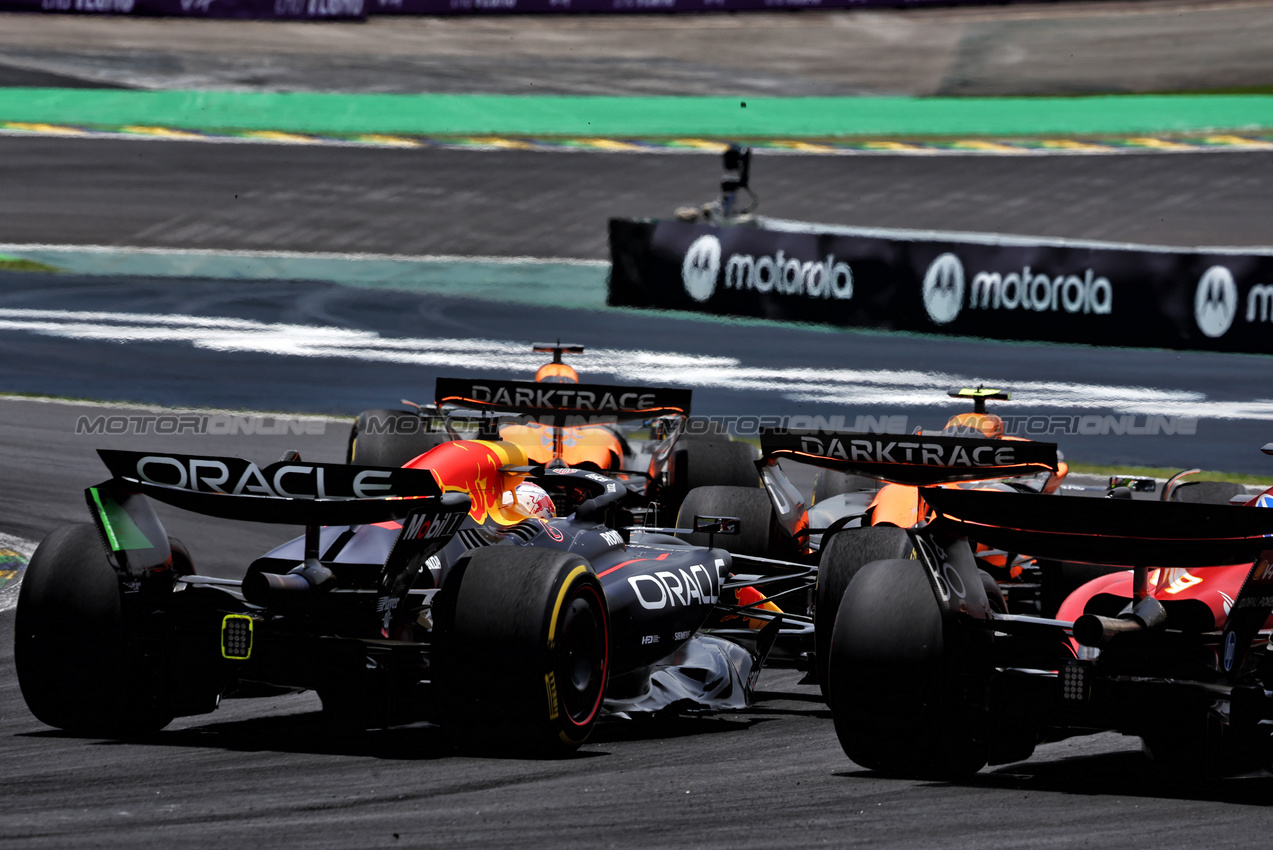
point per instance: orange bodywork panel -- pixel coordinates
(580, 445)
(897, 504)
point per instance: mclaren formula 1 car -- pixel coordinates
(634, 433)
(799, 558)
(780, 522)
(930, 676)
(419, 593)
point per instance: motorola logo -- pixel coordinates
(700, 267)
(1215, 303)
(944, 289)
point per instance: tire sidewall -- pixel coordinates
(498, 647)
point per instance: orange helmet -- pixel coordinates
(556, 373)
(987, 423)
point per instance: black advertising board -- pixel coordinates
(1012, 288)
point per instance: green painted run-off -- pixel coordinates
(637, 117)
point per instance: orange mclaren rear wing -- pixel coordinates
(1118, 532)
(562, 404)
(915, 459)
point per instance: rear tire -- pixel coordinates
(523, 649)
(389, 438)
(1206, 492)
(894, 708)
(710, 461)
(75, 666)
(846, 553)
(828, 483)
(759, 532)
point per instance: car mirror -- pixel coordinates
(717, 525)
(1137, 485)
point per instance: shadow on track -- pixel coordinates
(1122, 774)
(660, 727)
(312, 734)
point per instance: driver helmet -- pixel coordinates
(986, 424)
(556, 373)
(533, 501)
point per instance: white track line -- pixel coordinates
(884, 387)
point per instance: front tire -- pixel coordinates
(75, 666)
(523, 649)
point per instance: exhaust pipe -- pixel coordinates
(1095, 630)
(262, 588)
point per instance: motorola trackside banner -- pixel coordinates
(1059, 293)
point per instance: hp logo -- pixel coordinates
(1215, 303)
(700, 267)
(944, 289)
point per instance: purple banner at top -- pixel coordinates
(469, 7)
(244, 9)
(359, 9)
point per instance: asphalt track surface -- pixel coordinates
(267, 773)
(517, 203)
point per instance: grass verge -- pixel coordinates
(1158, 472)
(18, 264)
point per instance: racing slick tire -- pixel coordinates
(828, 483)
(1206, 492)
(389, 438)
(702, 462)
(75, 666)
(846, 554)
(759, 532)
(523, 649)
(893, 705)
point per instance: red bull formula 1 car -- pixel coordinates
(430, 592)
